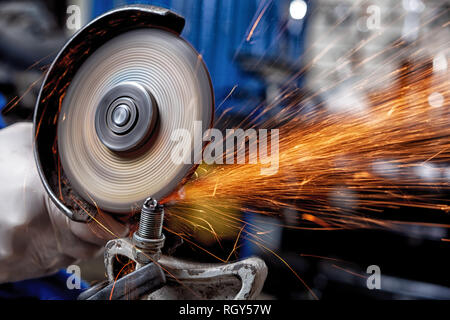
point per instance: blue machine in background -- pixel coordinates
(2, 105)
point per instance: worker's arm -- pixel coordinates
(37, 239)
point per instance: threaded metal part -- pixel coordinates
(151, 222)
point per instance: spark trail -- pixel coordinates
(373, 154)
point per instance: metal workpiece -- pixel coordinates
(241, 280)
(133, 286)
(137, 284)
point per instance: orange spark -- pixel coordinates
(252, 30)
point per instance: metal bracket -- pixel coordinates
(135, 285)
(240, 280)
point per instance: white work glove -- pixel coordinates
(37, 239)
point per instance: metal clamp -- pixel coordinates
(162, 277)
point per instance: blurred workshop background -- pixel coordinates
(251, 48)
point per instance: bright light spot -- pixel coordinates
(298, 9)
(386, 169)
(427, 172)
(440, 63)
(346, 100)
(447, 174)
(413, 5)
(436, 99)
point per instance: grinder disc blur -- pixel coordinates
(177, 78)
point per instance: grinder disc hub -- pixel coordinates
(126, 117)
(121, 115)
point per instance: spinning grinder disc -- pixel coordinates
(118, 115)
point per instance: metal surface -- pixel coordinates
(241, 280)
(135, 285)
(138, 44)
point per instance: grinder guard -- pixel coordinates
(57, 81)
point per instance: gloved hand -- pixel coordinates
(37, 239)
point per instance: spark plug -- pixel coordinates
(149, 239)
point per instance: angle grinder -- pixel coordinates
(108, 106)
(103, 123)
